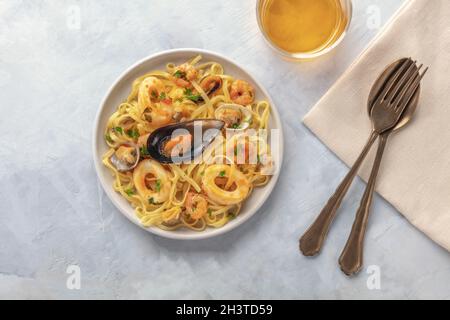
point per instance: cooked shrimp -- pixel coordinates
(242, 92)
(196, 205)
(182, 83)
(184, 74)
(152, 181)
(155, 87)
(238, 184)
(211, 84)
(178, 145)
(162, 116)
(189, 71)
(150, 90)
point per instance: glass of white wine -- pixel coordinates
(304, 29)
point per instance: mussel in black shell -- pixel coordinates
(183, 141)
(211, 84)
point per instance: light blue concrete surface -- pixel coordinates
(54, 71)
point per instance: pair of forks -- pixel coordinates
(392, 102)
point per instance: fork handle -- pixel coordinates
(312, 240)
(351, 259)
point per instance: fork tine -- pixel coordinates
(405, 87)
(401, 82)
(403, 103)
(392, 80)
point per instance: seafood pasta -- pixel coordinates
(191, 194)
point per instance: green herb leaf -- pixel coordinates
(209, 212)
(258, 159)
(222, 173)
(144, 152)
(235, 126)
(154, 94)
(129, 192)
(158, 185)
(118, 129)
(151, 201)
(231, 216)
(179, 74)
(108, 138)
(133, 133)
(193, 97)
(162, 96)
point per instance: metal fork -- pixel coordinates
(386, 113)
(312, 240)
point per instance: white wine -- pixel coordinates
(303, 26)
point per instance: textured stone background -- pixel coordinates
(54, 71)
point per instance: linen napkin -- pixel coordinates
(415, 171)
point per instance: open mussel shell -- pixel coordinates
(120, 163)
(202, 132)
(211, 84)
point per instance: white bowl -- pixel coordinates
(118, 93)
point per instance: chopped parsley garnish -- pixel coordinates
(129, 192)
(231, 216)
(258, 158)
(222, 174)
(235, 126)
(162, 96)
(193, 97)
(154, 94)
(209, 212)
(158, 186)
(144, 152)
(151, 201)
(118, 129)
(108, 138)
(133, 133)
(179, 74)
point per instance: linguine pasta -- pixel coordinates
(200, 194)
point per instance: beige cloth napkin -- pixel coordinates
(415, 172)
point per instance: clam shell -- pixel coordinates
(246, 115)
(123, 166)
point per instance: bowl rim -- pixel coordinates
(111, 194)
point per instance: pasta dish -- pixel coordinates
(209, 187)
